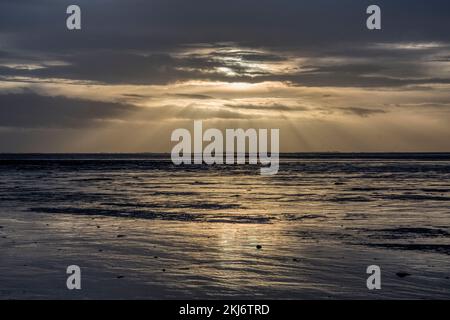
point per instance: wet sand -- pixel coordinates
(160, 259)
(307, 233)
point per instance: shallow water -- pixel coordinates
(192, 231)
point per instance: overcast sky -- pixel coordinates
(139, 69)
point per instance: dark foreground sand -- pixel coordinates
(126, 258)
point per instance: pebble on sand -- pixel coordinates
(258, 247)
(121, 236)
(402, 274)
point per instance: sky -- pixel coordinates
(138, 69)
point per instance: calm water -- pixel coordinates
(192, 231)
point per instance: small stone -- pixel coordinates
(258, 247)
(121, 236)
(295, 260)
(402, 274)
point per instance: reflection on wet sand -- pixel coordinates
(141, 229)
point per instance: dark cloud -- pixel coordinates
(361, 112)
(29, 110)
(157, 24)
(441, 59)
(442, 105)
(269, 107)
(135, 95)
(318, 79)
(191, 96)
(249, 56)
(137, 41)
(109, 67)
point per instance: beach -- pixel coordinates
(141, 228)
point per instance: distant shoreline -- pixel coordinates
(342, 155)
(281, 153)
